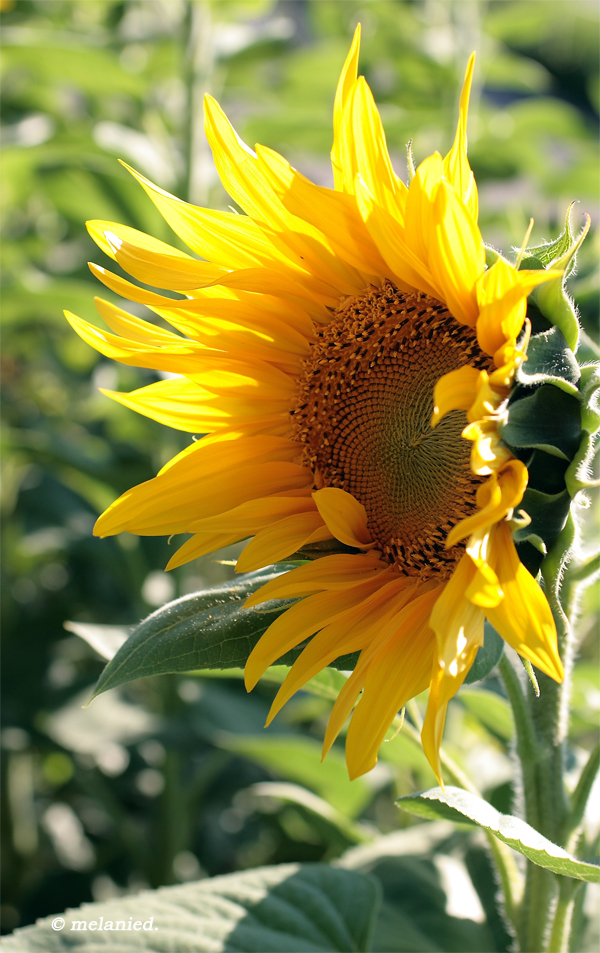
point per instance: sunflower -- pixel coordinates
(349, 356)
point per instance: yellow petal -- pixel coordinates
(242, 176)
(233, 240)
(364, 151)
(300, 622)
(253, 516)
(281, 539)
(135, 329)
(454, 391)
(484, 590)
(502, 297)
(456, 165)
(455, 620)
(345, 84)
(200, 545)
(419, 216)
(203, 481)
(398, 671)
(327, 573)
(408, 271)
(458, 627)
(341, 637)
(503, 493)
(456, 254)
(345, 517)
(523, 618)
(160, 269)
(333, 213)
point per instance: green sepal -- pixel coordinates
(556, 305)
(488, 655)
(548, 516)
(589, 386)
(576, 476)
(549, 253)
(530, 555)
(491, 255)
(554, 564)
(551, 297)
(546, 472)
(550, 360)
(549, 419)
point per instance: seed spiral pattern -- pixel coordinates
(364, 412)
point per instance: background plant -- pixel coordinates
(168, 779)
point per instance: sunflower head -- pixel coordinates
(361, 377)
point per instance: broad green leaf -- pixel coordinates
(488, 655)
(298, 758)
(429, 900)
(549, 419)
(492, 710)
(209, 629)
(457, 805)
(290, 908)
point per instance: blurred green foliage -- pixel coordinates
(169, 779)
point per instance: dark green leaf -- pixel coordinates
(454, 804)
(549, 419)
(290, 908)
(210, 629)
(422, 894)
(488, 656)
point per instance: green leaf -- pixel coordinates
(290, 908)
(463, 807)
(325, 684)
(297, 758)
(429, 903)
(491, 709)
(488, 655)
(209, 629)
(548, 419)
(322, 815)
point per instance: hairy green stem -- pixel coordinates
(563, 916)
(526, 742)
(546, 912)
(582, 792)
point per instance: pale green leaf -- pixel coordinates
(298, 758)
(457, 805)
